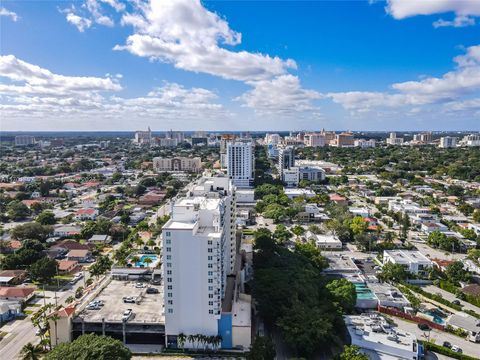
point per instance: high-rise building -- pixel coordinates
(471, 140)
(286, 159)
(143, 137)
(394, 140)
(224, 140)
(345, 139)
(448, 142)
(24, 140)
(240, 161)
(329, 136)
(198, 249)
(314, 139)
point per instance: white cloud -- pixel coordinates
(35, 93)
(186, 34)
(459, 21)
(80, 22)
(94, 7)
(401, 9)
(117, 5)
(452, 86)
(281, 95)
(8, 13)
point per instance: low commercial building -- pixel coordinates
(294, 193)
(177, 164)
(324, 242)
(373, 334)
(413, 261)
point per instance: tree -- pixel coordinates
(31, 352)
(455, 272)
(31, 230)
(262, 349)
(298, 230)
(46, 218)
(476, 216)
(147, 261)
(91, 346)
(344, 294)
(352, 352)
(43, 270)
(16, 210)
(281, 233)
(393, 272)
(358, 225)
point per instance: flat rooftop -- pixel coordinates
(148, 311)
(340, 263)
(404, 256)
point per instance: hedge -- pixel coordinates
(446, 351)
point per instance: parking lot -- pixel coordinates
(148, 308)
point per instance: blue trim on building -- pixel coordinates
(225, 330)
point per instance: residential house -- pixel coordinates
(100, 239)
(413, 261)
(86, 214)
(20, 294)
(12, 277)
(68, 266)
(79, 255)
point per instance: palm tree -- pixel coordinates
(31, 352)
(70, 299)
(134, 259)
(147, 261)
(181, 339)
(54, 317)
(191, 339)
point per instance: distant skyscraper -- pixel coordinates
(143, 137)
(286, 159)
(241, 162)
(314, 139)
(344, 139)
(448, 142)
(394, 140)
(24, 140)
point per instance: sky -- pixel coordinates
(240, 65)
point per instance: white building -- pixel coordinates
(198, 254)
(143, 137)
(241, 162)
(324, 242)
(177, 164)
(365, 143)
(373, 334)
(291, 176)
(471, 140)
(394, 140)
(448, 142)
(314, 139)
(167, 142)
(273, 139)
(24, 140)
(413, 261)
(313, 173)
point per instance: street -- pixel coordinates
(469, 348)
(450, 297)
(22, 331)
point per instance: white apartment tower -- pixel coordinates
(198, 252)
(448, 142)
(240, 161)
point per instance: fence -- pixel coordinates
(413, 318)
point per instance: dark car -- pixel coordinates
(447, 344)
(456, 302)
(152, 291)
(424, 327)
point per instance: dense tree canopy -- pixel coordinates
(90, 346)
(31, 230)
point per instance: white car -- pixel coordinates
(456, 349)
(139, 285)
(126, 314)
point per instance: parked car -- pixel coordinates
(129, 299)
(457, 302)
(126, 314)
(456, 349)
(152, 291)
(447, 344)
(424, 327)
(93, 307)
(139, 285)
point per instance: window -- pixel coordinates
(169, 295)
(170, 302)
(168, 233)
(169, 264)
(169, 272)
(210, 303)
(168, 241)
(170, 311)
(210, 296)
(210, 258)
(169, 279)
(210, 311)
(210, 250)
(210, 288)
(210, 273)
(210, 242)
(210, 281)
(169, 249)
(210, 266)
(169, 287)
(169, 257)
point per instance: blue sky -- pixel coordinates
(240, 65)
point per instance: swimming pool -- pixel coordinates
(436, 315)
(363, 292)
(152, 263)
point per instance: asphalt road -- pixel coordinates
(22, 331)
(469, 348)
(450, 297)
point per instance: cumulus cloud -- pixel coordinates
(452, 86)
(8, 13)
(80, 22)
(281, 95)
(459, 21)
(464, 10)
(37, 93)
(186, 34)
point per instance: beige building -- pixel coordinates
(177, 164)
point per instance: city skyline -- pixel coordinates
(109, 65)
